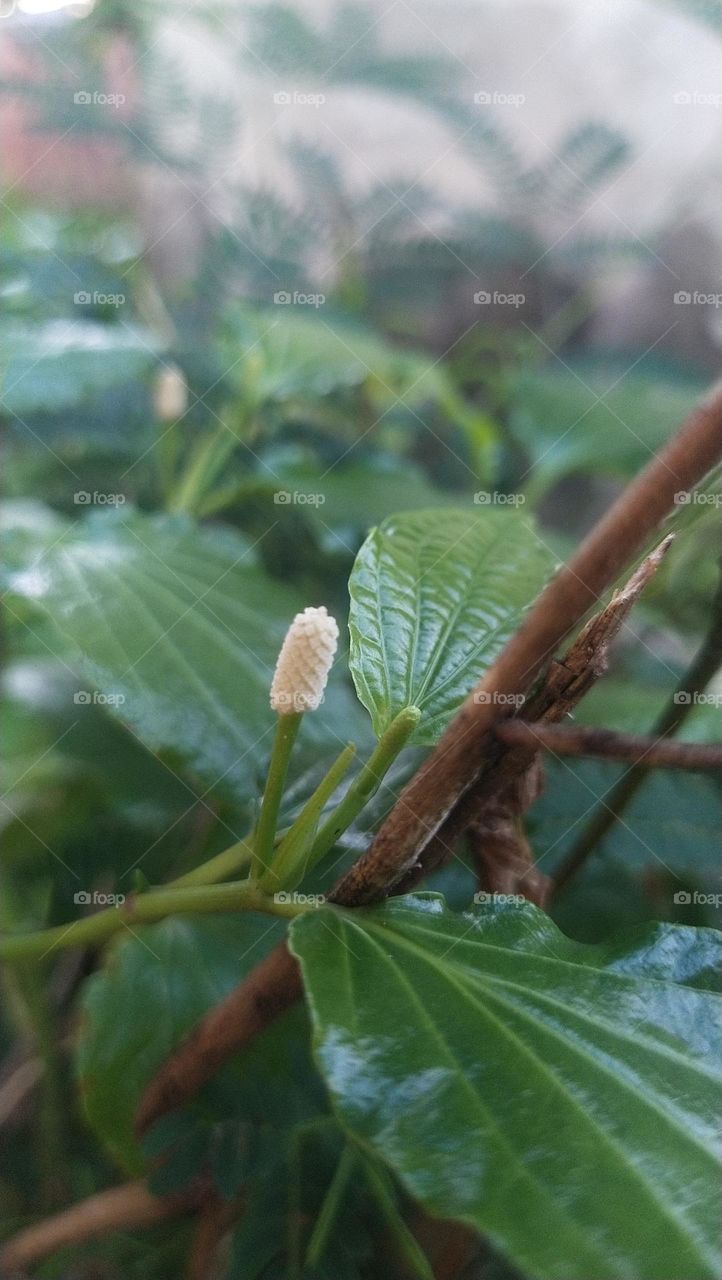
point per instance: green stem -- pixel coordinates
(368, 780)
(330, 1206)
(206, 462)
(146, 908)
(408, 1246)
(224, 864)
(293, 857)
(264, 839)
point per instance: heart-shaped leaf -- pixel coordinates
(561, 1098)
(435, 595)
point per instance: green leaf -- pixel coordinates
(561, 413)
(154, 988)
(561, 1098)
(180, 628)
(59, 364)
(672, 822)
(435, 595)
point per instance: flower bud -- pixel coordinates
(170, 394)
(304, 662)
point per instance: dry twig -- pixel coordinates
(607, 744)
(695, 680)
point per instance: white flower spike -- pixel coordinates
(170, 394)
(304, 662)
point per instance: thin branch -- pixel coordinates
(607, 744)
(458, 760)
(205, 1261)
(491, 809)
(118, 1209)
(272, 986)
(673, 715)
(19, 1086)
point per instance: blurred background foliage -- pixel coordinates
(202, 231)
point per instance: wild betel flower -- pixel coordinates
(170, 394)
(304, 662)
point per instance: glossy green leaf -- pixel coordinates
(179, 629)
(561, 1098)
(435, 595)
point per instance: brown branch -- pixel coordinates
(18, 1086)
(272, 987)
(118, 1209)
(205, 1261)
(491, 810)
(607, 744)
(457, 761)
(694, 681)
